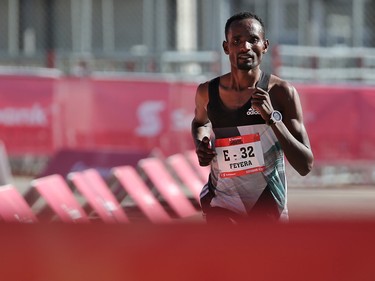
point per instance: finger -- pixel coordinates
(261, 90)
(203, 164)
(206, 140)
(206, 143)
(259, 97)
(205, 152)
(205, 161)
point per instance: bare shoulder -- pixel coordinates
(202, 88)
(281, 91)
(201, 96)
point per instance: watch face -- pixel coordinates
(276, 116)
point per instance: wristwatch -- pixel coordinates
(275, 117)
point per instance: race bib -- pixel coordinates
(238, 156)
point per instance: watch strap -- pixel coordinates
(270, 122)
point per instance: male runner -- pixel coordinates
(245, 122)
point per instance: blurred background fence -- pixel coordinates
(91, 74)
(184, 36)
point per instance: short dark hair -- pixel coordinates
(242, 16)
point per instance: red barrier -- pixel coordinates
(72, 160)
(42, 115)
(126, 114)
(338, 120)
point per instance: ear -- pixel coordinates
(266, 43)
(225, 47)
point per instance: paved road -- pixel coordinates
(332, 203)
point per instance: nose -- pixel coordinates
(247, 45)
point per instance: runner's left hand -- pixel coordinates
(260, 100)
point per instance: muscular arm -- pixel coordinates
(291, 132)
(293, 137)
(201, 127)
(200, 115)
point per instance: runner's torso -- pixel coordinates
(249, 166)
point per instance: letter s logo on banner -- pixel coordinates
(150, 123)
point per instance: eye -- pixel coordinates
(254, 40)
(236, 42)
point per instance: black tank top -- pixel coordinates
(222, 117)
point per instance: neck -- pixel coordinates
(241, 80)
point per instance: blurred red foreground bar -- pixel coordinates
(315, 250)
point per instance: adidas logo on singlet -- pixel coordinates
(252, 111)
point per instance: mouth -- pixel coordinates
(245, 57)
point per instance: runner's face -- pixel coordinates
(245, 44)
